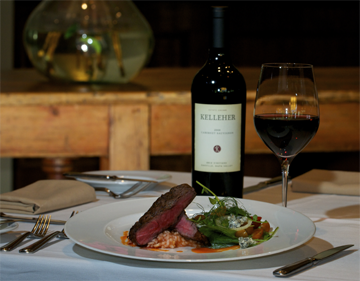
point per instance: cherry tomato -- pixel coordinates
(250, 230)
(258, 233)
(256, 224)
(265, 226)
(241, 233)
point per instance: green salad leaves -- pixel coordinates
(223, 223)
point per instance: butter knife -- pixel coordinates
(29, 219)
(103, 177)
(308, 262)
(263, 184)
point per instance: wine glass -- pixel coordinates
(286, 113)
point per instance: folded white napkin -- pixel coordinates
(46, 195)
(331, 182)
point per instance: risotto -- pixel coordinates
(171, 239)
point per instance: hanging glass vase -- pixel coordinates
(88, 41)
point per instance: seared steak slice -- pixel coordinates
(188, 230)
(164, 213)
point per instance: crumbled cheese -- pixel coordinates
(235, 222)
(246, 242)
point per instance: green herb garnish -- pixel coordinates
(214, 224)
(213, 201)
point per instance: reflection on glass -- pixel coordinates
(88, 41)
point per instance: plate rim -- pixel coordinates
(161, 178)
(152, 199)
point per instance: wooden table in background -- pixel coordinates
(125, 124)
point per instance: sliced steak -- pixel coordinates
(188, 230)
(164, 213)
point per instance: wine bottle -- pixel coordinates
(218, 100)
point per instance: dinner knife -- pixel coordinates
(103, 177)
(308, 262)
(29, 219)
(6, 223)
(263, 184)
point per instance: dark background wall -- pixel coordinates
(324, 33)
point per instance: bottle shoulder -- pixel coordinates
(219, 71)
(212, 77)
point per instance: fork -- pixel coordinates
(37, 245)
(39, 230)
(135, 189)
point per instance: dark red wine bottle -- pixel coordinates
(218, 100)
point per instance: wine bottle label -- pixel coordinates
(217, 136)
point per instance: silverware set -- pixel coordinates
(39, 230)
(141, 184)
(135, 189)
(42, 223)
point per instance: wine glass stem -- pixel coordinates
(285, 165)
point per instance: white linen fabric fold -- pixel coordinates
(330, 182)
(45, 196)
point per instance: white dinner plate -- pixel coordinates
(119, 186)
(100, 228)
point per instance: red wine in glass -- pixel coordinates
(286, 112)
(285, 135)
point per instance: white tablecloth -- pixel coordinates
(336, 218)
